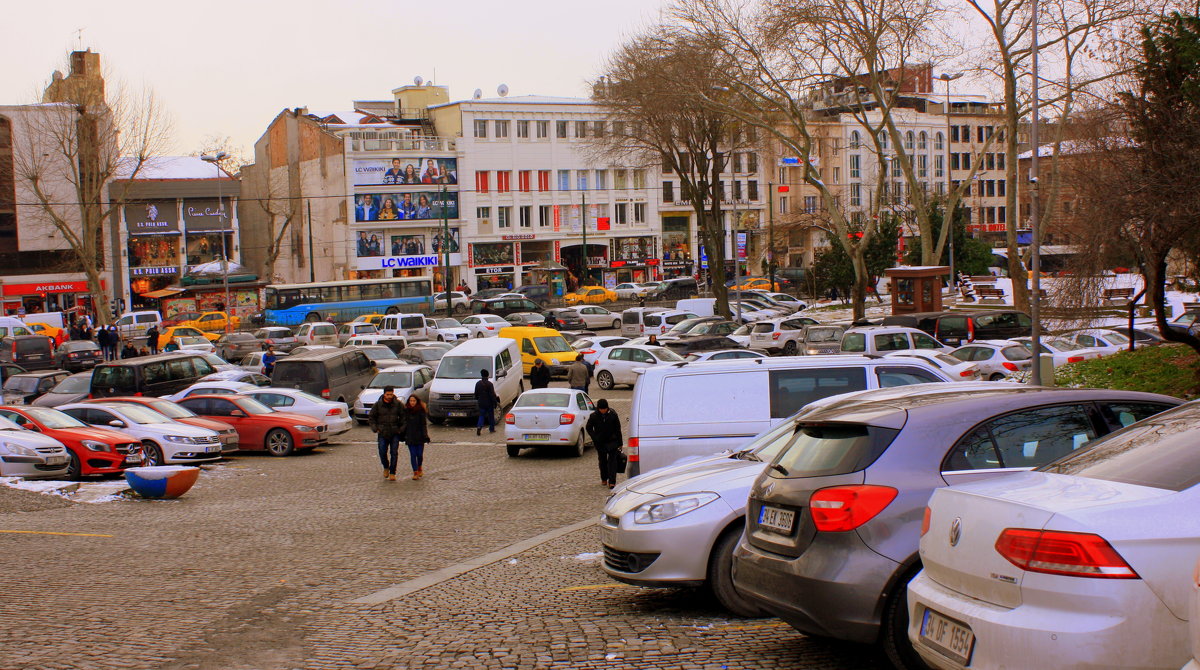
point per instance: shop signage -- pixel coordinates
(676, 264)
(494, 271)
(525, 236)
(154, 217)
(407, 171)
(46, 287)
(145, 272)
(409, 261)
(206, 214)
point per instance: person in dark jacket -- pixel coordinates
(551, 320)
(486, 401)
(129, 351)
(416, 434)
(102, 340)
(386, 420)
(604, 427)
(152, 339)
(539, 376)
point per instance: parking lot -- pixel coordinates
(316, 561)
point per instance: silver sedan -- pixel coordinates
(548, 417)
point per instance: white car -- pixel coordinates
(789, 301)
(632, 291)
(1194, 623)
(192, 344)
(484, 325)
(27, 454)
(1102, 340)
(995, 360)
(597, 317)
(317, 332)
(394, 342)
(1061, 351)
(238, 375)
(382, 356)
(253, 362)
(783, 335)
(459, 302)
(335, 415)
(212, 388)
(723, 355)
(742, 335)
(618, 364)
(592, 348)
(164, 441)
(405, 380)
(883, 339)
(955, 369)
(548, 417)
(355, 329)
(449, 330)
(1084, 563)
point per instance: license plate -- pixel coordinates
(950, 637)
(212, 450)
(458, 414)
(133, 458)
(56, 460)
(608, 536)
(776, 519)
(536, 437)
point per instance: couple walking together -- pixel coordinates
(391, 421)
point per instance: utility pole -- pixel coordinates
(583, 222)
(446, 256)
(1034, 222)
(312, 269)
(948, 216)
(771, 233)
(737, 260)
(216, 161)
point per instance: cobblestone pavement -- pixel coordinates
(258, 567)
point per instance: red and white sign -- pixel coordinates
(47, 287)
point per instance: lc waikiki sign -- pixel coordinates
(406, 262)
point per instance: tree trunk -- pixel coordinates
(1016, 270)
(859, 294)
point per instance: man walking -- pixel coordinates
(539, 375)
(386, 420)
(486, 401)
(577, 375)
(152, 339)
(604, 426)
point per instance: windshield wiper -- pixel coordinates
(780, 469)
(746, 455)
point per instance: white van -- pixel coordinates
(452, 394)
(11, 326)
(703, 408)
(411, 326)
(698, 306)
(135, 324)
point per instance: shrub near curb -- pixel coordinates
(1170, 369)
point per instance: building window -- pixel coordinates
(856, 194)
(504, 217)
(482, 179)
(523, 130)
(883, 139)
(923, 141)
(855, 166)
(523, 181)
(783, 204)
(501, 129)
(639, 179)
(922, 165)
(737, 190)
(752, 189)
(480, 128)
(581, 179)
(581, 129)
(639, 212)
(619, 180)
(668, 189)
(618, 128)
(837, 174)
(560, 129)
(543, 180)
(954, 161)
(525, 214)
(783, 175)
(1000, 188)
(939, 142)
(751, 162)
(896, 169)
(1000, 161)
(8, 190)
(1000, 214)
(966, 161)
(908, 140)
(939, 166)
(622, 212)
(564, 180)
(484, 214)
(503, 181)
(542, 129)
(597, 129)
(601, 180)
(855, 139)
(810, 203)
(545, 216)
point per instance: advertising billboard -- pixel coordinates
(414, 206)
(405, 171)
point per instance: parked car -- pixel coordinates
(259, 426)
(1141, 336)
(592, 348)
(92, 451)
(686, 325)
(590, 295)
(633, 320)
(525, 319)
(452, 393)
(335, 415)
(754, 283)
(396, 343)
(1060, 351)
(833, 523)
(568, 318)
(689, 344)
(425, 353)
(1102, 340)
(548, 417)
(405, 380)
(175, 412)
(212, 388)
(882, 339)
(24, 453)
(957, 370)
(382, 356)
(57, 335)
(26, 387)
(135, 324)
(336, 374)
(283, 339)
(742, 336)
(488, 293)
(784, 335)
(996, 360)
(309, 348)
(596, 317)
(191, 345)
(254, 362)
(722, 355)
(485, 325)
(70, 389)
(164, 441)
(215, 321)
(674, 289)
(149, 375)
(1087, 560)
(239, 375)
(354, 329)
(546, 344)
(502, 307)
(618, 365)
(317, 332)
(177, 319)
(168, 334)
(449, 330)
(459, 302)
(790, 301)
(571, 335)
(32, 352)
(633, 291)
(77, 355)
(956, 328)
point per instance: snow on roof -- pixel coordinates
(169, 167)
(350, 118)
(522, 100)
(1070, 147)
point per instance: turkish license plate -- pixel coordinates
(776, 519)
(56, 460)
(456, 414)
(212, 450)
(133, 458)
(536, 437)
(952, 638)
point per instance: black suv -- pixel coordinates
(958, 328)
(539, 293)
(504, 306)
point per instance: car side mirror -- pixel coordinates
(116, 423)
(30, 426)
(237, 412)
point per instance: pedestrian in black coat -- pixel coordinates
(539, 376)
(604, 427)
(416, 434)
(387, 421)
(486, 402)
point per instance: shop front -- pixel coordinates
(676, 238)
(493, 264)
(587, 267)
(48, 296)
(406, 253)
(633, 259)
(152, 249)
(208, 231)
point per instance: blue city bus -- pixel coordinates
(342, 301)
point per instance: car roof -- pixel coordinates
(317, 354)
(407, 367)
(39, 373)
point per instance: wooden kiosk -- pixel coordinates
(917, 288)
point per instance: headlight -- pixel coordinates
(669, 508)
(19, 450)
(434, 396)
(304, 429)
(178, 439)
(95, 446)
(554, 361)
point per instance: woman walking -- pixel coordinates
(416, 434)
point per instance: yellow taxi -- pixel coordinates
(171, 333)
(372, 319)
(758, 283)
(56, 334)
(545, 343)
(590, 295)
(212, 321)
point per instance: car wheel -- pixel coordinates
(580, 444)
(996, 376)
(478, 334)
(151, 454)
(616, 324)
(441, 339)
(605, 380)
(279, 443)
(312, 317)
(893, 633)
(459, 309)
(362, 422)
(789, 349)
(74, 468)
(513, 450)
(720, 576)
(437, 420)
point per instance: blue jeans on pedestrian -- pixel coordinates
(389, 451)
(487, 415)
(416, 454)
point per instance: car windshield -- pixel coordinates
(252, 406)
(53, 419)
(464, 367)
(448, 323)
(143, 415)
(544, 400)
(170, 409)
(79, 345)
(744, 330)
(947, 360)
(685, 325)
(432, 353)
(190, 341)
(551, 344)
(581, 344)
(378, 353)
(822, 334)
(22, 384)
(399, 379)
(74, 384)
(665, 355)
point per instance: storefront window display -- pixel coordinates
(153, 251)
(206, 247)
(492, 253)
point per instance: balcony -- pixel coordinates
(360, 141)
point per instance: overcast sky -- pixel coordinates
(226, 68)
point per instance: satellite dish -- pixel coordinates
(478, 94)
(502, 89)
(418, 80)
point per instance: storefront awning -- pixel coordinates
(163, 293)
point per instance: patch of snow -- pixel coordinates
(594, 556)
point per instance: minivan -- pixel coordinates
(135, 324)
(32, 352)
(699, 409)
(453, 392)
(504, 306)
(674, 289)
(539, 293)
(658, 323)
(11, 327)
(333, 374)
(883, 339)
(632, 320)
(159, 375)
(411, 326)
(544, 343)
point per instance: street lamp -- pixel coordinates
(947, 216)
(216, 159)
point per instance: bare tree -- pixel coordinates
(75, 143)
(279, 210)
(236, 156)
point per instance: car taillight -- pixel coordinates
(967, 373)
(1062, 553)
(842, 508)
(325, 393)
(631, 450)
(925, 522)
(334, 411)
(566, 419)
(72, 355)
(775, 336)
(1009, 366)
(587, 351)
(1074, 359)
(641, 329)
(510, 419)
(970, 330)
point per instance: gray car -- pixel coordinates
(833, 523)
(235, 346)
(72, 389)
(283, 339)
(405, 380)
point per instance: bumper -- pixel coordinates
(1103, 627)
(682, 546)
(104, 463)
(832, 590)
(230, 443)
(455, 409)
(340, 424)
(31, 468)
(190, 453)
(564, 436)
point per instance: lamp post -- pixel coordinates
(947, 216)
(216, 159)
(1035, 300)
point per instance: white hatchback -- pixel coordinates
(548, 417)
(593, 347)
(620, 365)
(317, 332)
(484, 325)
(213, 388)
(335, 415)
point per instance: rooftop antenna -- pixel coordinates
(502, 89)
(79, 38)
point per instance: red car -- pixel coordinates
(229, 436)
(259, 426)
(94, 451)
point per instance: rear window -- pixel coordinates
(854, 342)
(324, 330)
(22, 384)
(629, 317)
(412, 322)
(821, 450)
(791, 390)
(544, 400)
(1159, 452)
(763, 328)
(652, 320)
(34, 345)
(119, 378)
(298, 372)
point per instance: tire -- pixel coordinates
(437, 420)
(74, 467)
(513, 450)
(893, 629)
(312, 317)
(580, 444)
(459, 309)
(616, 324)
(790, 348)
(151, 454)
(720, 576)
(441, 339)
(996, 376)
(279, 443)
(604, 380)
(478, 335)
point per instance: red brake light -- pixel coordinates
(325, 393)
(566, 419)
(1074, 359)
(587, 351)
(334, 411)
(631, 450)
(967, 373)
(842, 508)
(1010, 366)
(1062, 553)
(510, 419)
(925, 522)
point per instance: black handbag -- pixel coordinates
(621, 460)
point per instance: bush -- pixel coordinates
(1169, 369)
